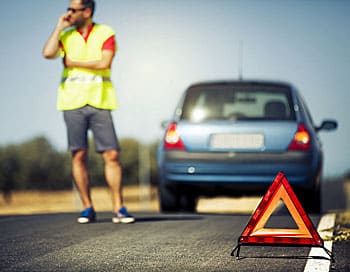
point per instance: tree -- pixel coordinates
(42, 167)
(129, 158)
(9, 166)
(154, 167)
(36, 164)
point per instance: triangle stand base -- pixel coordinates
(238, 247)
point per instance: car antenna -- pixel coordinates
(240, 60)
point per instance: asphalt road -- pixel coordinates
(156, 242)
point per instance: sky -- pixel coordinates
(165, 45)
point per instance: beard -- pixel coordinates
(79, 22)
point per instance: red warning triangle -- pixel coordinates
(255, 233)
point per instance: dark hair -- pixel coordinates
(89, 4)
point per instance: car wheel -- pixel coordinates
(315, 201)
(188, 203)
(311, 200)
(169, 200)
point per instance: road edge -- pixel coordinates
(325, 229)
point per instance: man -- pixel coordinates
(86, 96)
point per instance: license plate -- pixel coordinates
(237, 141)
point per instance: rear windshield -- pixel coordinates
(225, 102)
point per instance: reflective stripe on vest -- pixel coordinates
(86, 79)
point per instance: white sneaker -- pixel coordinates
(123, 216)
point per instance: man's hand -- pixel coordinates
(64, 22)
(51, 47)
(104, 63)
(67, 62)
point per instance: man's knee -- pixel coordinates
(111, 156)
(79, 156)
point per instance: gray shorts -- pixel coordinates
(99, 121)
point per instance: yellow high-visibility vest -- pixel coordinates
(80, 87)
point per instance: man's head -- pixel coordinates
(81, 11)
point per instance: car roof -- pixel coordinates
(243, 82)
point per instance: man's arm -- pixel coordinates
(52, 46)
(104, 63)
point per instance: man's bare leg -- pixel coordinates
(81, 176)
(113, 175)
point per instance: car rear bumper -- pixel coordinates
(243, 172)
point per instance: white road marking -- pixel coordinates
(325, 228)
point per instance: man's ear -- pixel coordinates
(88, 12)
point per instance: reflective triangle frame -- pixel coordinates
(255, 232)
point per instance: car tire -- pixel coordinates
(311, 200)
(315, 201)
(187, 203)
(168, 198)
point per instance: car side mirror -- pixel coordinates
(327, 125)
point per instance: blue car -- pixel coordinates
(231, 138)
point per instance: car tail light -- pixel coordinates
(172, 138)
(301, 140)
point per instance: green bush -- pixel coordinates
(36, 164)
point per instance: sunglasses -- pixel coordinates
(73, 10)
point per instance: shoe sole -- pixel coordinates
(126, 220)
(85, 220)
